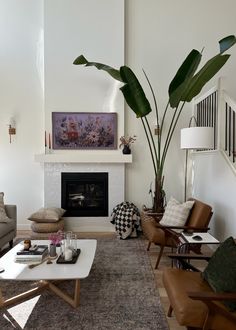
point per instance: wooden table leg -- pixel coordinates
(73, 301)
(22, 296)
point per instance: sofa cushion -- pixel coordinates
(220, 272)
(176, 214)
(3, 216)
(50, 214)
(5, 228)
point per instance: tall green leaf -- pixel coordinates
(204, 75)
(192, 86)
(114, 73)
(186, 70)
(226, 43)
(133, 93)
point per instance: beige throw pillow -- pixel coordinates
(176, 214)
(50, 214)
(3, 215)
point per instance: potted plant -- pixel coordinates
(186, 84)
(55, 240)
(126, 142)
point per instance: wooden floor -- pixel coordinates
(165, 262)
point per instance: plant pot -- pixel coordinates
(126, 150)
(159, 196)
(52, 250)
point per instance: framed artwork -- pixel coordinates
(84, 130)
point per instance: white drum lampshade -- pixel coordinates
(197, 138)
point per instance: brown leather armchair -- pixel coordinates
(193, 301)
(163, 236)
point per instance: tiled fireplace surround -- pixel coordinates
(112, 163)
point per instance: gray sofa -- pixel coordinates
(8, 230)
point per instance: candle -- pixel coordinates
(49, 141)
(45, 139)
(68, 254)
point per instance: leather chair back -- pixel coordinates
(200, 215)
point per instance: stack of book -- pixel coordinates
(36, 254)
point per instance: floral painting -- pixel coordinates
(84, 130)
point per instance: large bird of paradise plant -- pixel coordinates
(186, 84)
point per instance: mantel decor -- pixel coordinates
(125, 143)
(186, 84)
(84, 130)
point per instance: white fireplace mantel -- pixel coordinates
(84, 157)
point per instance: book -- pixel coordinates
(38, 250)
(36, 254)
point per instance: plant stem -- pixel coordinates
(173, 129)
(153, 94)
(153, 143)
(162, 123)
(150, 147)
(169, 133)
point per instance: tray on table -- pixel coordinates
(61, 259)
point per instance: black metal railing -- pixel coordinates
(207, 114)
(230, 131)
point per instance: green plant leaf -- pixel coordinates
(184, 86)
(114, 73)
(192, 86)
(226, 43)
(133, 93)
(204, 75)
(186, 70)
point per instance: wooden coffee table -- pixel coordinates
(48, 274)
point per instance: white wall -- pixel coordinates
(21, 97)
(159, 35)
(217, 187)
(38, 78)
(96, 30)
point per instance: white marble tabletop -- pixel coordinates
(206, 238)
(54, 271)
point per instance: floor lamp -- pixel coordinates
(195, 138)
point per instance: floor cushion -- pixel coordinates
(43, 227)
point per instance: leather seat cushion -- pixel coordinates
(43, 227)
(177, 283)
(5, 228)
(188, 312)
(153, 233)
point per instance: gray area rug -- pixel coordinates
(120, 294)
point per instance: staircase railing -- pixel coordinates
(230, 121)
(217, 109)
(206, 112)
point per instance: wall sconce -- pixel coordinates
(12, 128)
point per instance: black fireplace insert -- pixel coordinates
(84, 194)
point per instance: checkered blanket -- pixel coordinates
(126, 218)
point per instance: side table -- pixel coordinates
(206, 238)
(187, 242)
